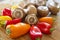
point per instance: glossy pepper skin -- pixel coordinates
(7, 12)
(35, 33)
(8, 22)
(49, 20)
(13, 21)
(17, 30)
(45, 27)
(5, 18)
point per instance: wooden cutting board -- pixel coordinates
(54, 36)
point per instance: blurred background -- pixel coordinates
(10, 1)
(17, 1)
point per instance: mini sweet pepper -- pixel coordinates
(8, 22)
(5, 18)
(17, 30)
(35, 33)
(45, 27)
(7, 12)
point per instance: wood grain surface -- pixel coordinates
(54, 36)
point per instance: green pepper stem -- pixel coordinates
(8, 31)
(38, 39)
(52, 29)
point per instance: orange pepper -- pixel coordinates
(46, 19)
(17, 30)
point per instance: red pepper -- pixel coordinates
(35, 33)
(45, 27)
(8, 22)
(6, 12)
(13, 21)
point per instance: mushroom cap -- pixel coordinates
(18, 13)
(31, 19)
(38, 2)
(53, 7)
(31, 9)
(43, 11)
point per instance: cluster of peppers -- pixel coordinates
(41, 27)
(14, 26)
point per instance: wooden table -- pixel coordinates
(54, 36)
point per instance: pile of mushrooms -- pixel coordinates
(34, 9)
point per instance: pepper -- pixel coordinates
(35, 33)
(49, 20)
(17, 30)
(45, 27)
(13, 21)
(5, 18)
(6, 12)
(14, 7)
(8, 22)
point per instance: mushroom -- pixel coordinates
(54, 9)
(28, 4)
(18, 13)
(31, 19)
(38, 2)
(30, 9)
(43, 11)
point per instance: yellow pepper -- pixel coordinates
(14, 7)
(4, 18)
